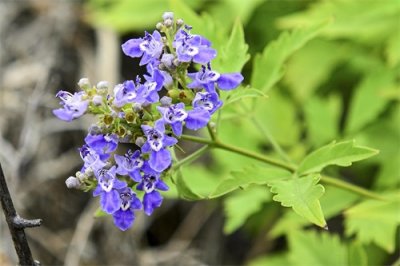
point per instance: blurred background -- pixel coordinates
(343, 84)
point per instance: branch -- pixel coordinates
(16, 224)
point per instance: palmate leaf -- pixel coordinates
(341, 153)
(301, 194)
(375, 221)
(232, 55)
(268, 67)
(254, 175)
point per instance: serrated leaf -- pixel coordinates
(368, 101)
(375, 221)
(301, 194)
(184, 190)
(233, 55)
(268, 67)
(311, 248)
(254, 175)
(341, 153)
(333, 203)
(242, 204)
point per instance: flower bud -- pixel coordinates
(159, 26)
(102, 87)
(168, 23)
(94, 130)
(97, 100)
(137, 107)
(140, 141)
(168, 60)
(84, 83)
(179, 22)
(72, 182)
(165, 101)
(168, 15)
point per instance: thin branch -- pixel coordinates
(16, 224)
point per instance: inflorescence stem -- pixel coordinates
(290, 167)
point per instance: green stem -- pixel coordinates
(212, 133)
(191, 157)
(325, 179)
(250, 154)
(350, 187)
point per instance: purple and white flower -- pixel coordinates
(125, 216)
(74, 105)
(130, 164)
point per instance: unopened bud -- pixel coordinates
(159, 26)
(97, 99)
(84, 83)
(94, 130)
(72, 182)
(140, 141)
(102, 87)
(167, 60)
(137, 107)
(168, 15)
(165, 101)
(179, 22)
(168, 23)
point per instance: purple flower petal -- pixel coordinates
(197, 118)
(160, 160)
(110, 201)
(132, 47)
(151, 201)
(124, 219)
(229, 81)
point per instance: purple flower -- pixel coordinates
(206, 78)
(125, 93)
(156, 143)
(107, 188)
(91, 159)
(193, 48)
(125, 216)
(174, 115)
(150, 47)
(103, 145)
(151, 182)
(197, 118)
(73, 105)
(208, 101)
(130, 164)
(154, 83)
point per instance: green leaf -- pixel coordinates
(278, 115)
(323, 118)
(392, 50)
(311, 248)
(368, 101)
(302, 194)
(357, 255)
(242, 204)
(341, 153)
(270, 260)
(233, 55)
(184, 190)
(254, 175)
(333, 203)
(375, 221)
(268, 67)
(370, 23)
(243, 93)
(302, 77)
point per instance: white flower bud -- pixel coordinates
(168, 15)
(72, 182)
(84, 83)
(140, 141)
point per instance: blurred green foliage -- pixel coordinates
(331, 73)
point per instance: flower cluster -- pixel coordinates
(148, 124)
